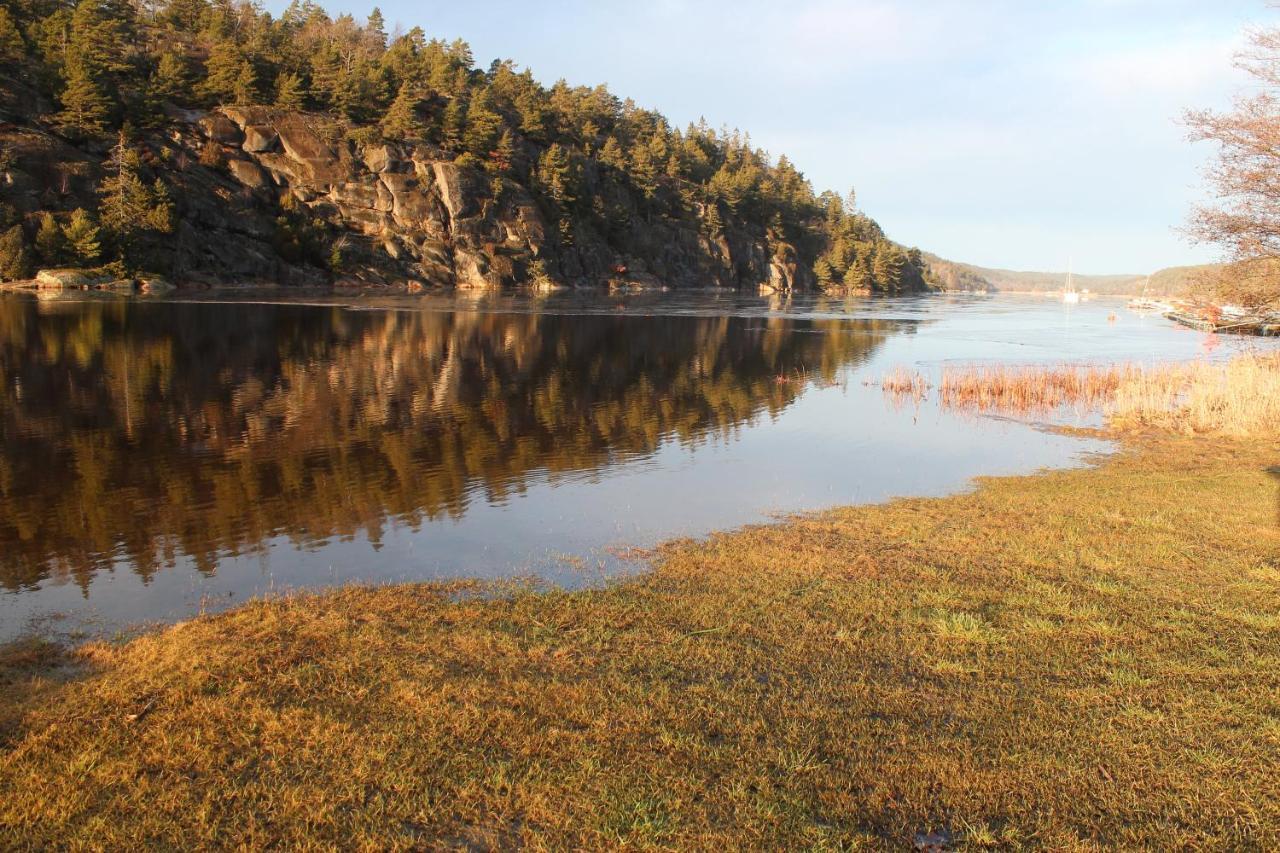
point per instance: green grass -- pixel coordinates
(1075, 660)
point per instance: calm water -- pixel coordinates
(162, 458)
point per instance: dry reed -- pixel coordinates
(1032, 389)
(902, 385)
(1240, 397)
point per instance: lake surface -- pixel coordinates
(163, 458)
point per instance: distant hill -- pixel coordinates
(955, 275)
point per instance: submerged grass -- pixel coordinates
(1075, 660)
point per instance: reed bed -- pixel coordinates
(1033, 389)
(1240, 397)
(904, 385)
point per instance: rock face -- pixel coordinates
(402, 213)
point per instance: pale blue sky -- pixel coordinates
(1009, 133)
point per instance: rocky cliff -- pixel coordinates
(250, 185)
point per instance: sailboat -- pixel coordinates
(1146, 303)
(1070, 295)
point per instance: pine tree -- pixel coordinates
(291, 92)
(15, 259)
(555, 175)
(376, 28)
(170, 81)
(82, 237)
(401, 120)
(644, 171)
(225, 73)
(887, 267)
(455, 123)
(611, 154)
(12, 47)
(502, 159)
(858, 275)
(714, 222)
(129, 207)
(85, 107)
(246, 87)
(824, 271)
(483, 128)
(50, 244)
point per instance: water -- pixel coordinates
(165, 458)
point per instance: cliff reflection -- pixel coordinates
(133, 433)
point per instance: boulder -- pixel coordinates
(470, 270)
(356, 194)
(453, 185)
(66, 279)
(248, 173)
(156, 286)
(122, 285)
(260, 139)
(314, 160)
(221, 129)
(410, 204)
(383, 158)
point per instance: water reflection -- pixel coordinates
(146, 434)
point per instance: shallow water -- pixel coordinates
(165, 458)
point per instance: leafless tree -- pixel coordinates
(1245, 179)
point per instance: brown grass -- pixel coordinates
(1032, 389)
(1078, 660)
(1237, 398)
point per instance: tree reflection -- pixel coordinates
(133, 433)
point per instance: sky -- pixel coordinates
(1022, 134)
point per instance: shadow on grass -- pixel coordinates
(28, 668)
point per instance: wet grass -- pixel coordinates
(1076, 660)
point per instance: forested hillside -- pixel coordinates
(1171, 281)
(212, 141)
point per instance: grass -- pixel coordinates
(1080, 659)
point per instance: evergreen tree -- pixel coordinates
(555, 176)
(824, 271)
(15, 258)
(225, 74)
(713, 220)
(50, 244)
(291, 92)
(611, 154)
(82, 238)
(376, 29)
(858, 275)
(12, 48)
(401, 120)
(502, 159)
(483, 128)
(644, 170)
(887, 267)
(130, 208)
(455, 124)
(170, 81)
(85, 108)
(246, 86)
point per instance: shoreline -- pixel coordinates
(854, 676)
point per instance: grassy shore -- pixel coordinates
(1077, 659)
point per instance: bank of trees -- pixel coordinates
(106, 64)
